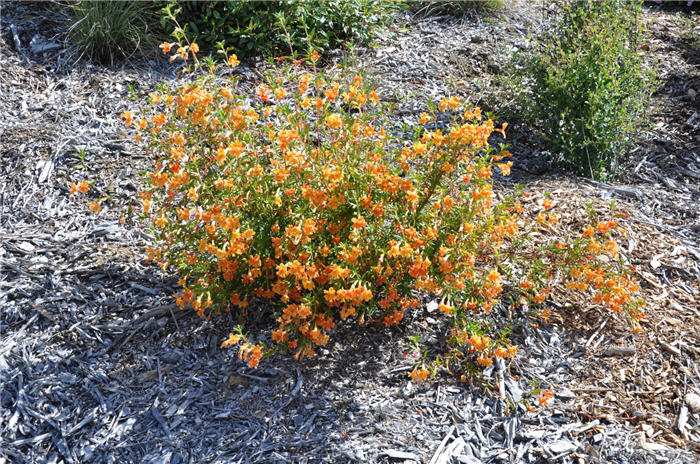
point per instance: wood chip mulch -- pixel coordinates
(97, 365)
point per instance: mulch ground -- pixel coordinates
(96, 365)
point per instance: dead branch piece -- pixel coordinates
(670, 348)
(615, 350)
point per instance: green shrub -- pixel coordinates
(108, 30)
(588, 89)
(270, 27)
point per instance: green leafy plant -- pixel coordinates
(251, 27)
(109, 30)
(80, 154)
(587, 89)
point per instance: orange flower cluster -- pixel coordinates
(82, 187)
(250, 354)
(304, 202)
(482, 347)
(419, 375)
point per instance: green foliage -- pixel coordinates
(271, 27)
(108, 30)
(588, 91)
(456, 7)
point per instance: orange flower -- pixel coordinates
(447, 203)
(146, 203)
(347, 311)
(494, 276)
(501, 352)
(605, 226)
(478, 343)
(280, 336)
(611, 248)
(544, 397)
(334, 121)
(505, 168)
(194, 48)
(262, 93)
(485, 172)
(502, 130)
(547, 204)
(452, 103)
(233, 61)
(446, 309)
(94, 206)
(475, 114)
(540, 297)
(250, 354)
(128, 117)
(165, 46)
(82, 187)
(231, 340)
(314, 56)
(158, 119)
(280, 93)
(419, 375)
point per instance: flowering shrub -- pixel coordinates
(303, 200)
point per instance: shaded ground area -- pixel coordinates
(96, 365)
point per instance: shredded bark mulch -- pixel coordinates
(98, 365)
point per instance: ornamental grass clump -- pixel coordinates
(456, 7)
(300, 201)
(108, 30)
